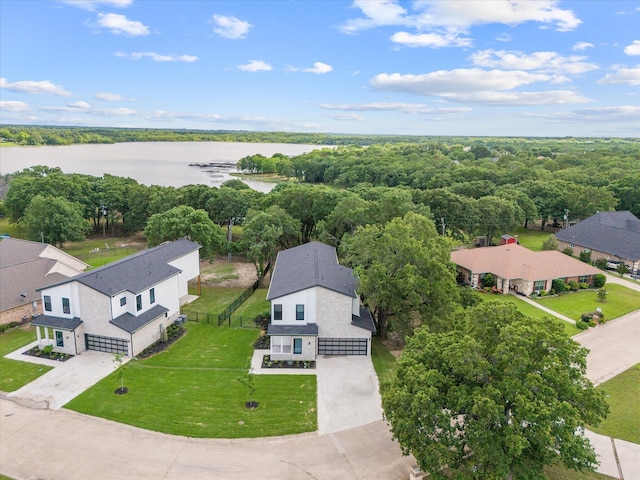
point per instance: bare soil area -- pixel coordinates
(222, 273)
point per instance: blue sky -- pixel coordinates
(477, 67)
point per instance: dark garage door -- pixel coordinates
(106, 344)
(342, 346)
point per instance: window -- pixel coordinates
(152, 296)
(281, 345)
(297, 346)
(277, 311)
(59, 339)
(66, 306)
(138, 303)
(539, 285)
(47, 303)
(583, 279)
(299, 312)
(123, 301)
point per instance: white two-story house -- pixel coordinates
(122, 307)
(315, 309)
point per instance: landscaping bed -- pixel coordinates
(48, 354)
(268, 363)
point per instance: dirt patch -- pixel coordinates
(222, 273)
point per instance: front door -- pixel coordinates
(59, 339)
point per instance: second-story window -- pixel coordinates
(152, 296)
(138, 303)
(66, 306)
(277, 311)
(123, 301)
(299, 312)
(47, 303)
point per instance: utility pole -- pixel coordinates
(443, 225)
(566, 218)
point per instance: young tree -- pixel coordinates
(54, 220)
(405, 272)
(550, 243)
(501, 396)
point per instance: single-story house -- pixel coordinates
(122, 307)
(614, 236)
(26, 266)
(315, 309)
(518, 269)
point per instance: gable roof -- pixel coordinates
(515, 261)
(313, 264)
(615, 233)
(25, 268)
(136, 272)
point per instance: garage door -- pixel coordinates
(106, 344)
(342, 346)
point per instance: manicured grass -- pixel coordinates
(119, 247)
(384, 361)
(531, 239)
(255, 305)
(620, 301)
(15, 374)
(212, 301)
(558, 472)
(192, 389)
(531, 311)
(623, 420)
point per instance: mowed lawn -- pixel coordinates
(13, 373)
(192, 389)
(620, 301)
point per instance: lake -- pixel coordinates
(149, 163)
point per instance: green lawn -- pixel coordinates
(384, 361)
(15, 374)
(530, 310)
(192, 389)
(255, 305)
(10, 229)
(620, 301)
(622, 394)
(212, 301)
(119, 247)
(531, 239)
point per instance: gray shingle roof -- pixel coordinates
(615, 233)
(310, 265)
(130, 323)
(14, 250)
(364, 320)
(56, 322)
(136, 272)
(292, 330)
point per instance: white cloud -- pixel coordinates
(411, 108)
(14, 106)
(108, 97)
(633, 49)
(32, 87)
(433, 40)
(620, 113)
(255, 66)
(349, 117)
(231, 27)
(79, 104)
(120, 24)
(477, 86)
(93, 5)
(378, 13)
(582, 46)
(504, 37)
(158, 57)
(318, 68)
(549, 62)
(622, 76)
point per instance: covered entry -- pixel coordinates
(342, 346)
(106, 344)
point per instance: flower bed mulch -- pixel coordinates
(173, 333)
(38, 352)
(304, 364)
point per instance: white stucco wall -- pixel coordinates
(190, 268)
(289, 302)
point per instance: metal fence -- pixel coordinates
(225, 316)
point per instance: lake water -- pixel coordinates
(149, 163)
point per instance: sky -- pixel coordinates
(454, 67)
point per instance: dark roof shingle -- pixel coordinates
(131, 324)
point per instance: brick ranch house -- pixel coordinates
(26, 266)
(614, 236)
(122, 307)
(315, 309)
(518, 269)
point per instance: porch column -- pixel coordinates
(38, 334)
(46, 334)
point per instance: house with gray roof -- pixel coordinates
(315, 309)
(614, 236)
(26, 266)
(122, 307)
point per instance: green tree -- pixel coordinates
(184, 221)
(405, 272)
(496, 215)
(54, 220)
(500, 396)
(550, 243)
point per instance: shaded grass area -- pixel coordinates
(620, 301)
(529, 310)
(531, 239)
(13, 373)
(192, 389)
(623, 420)
(255, 305)
(384, 362)
(212, 301)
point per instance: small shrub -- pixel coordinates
(599, 280)
(550, 243)
(7, 326)
(573, 285)
(602, 294)
(621, 269)
(48, 349)
(543, 293)
(559, 286)
(600, 263)
(488, 281)
(568, 251)
(585, 256)
(583, 286)
(583, 325)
